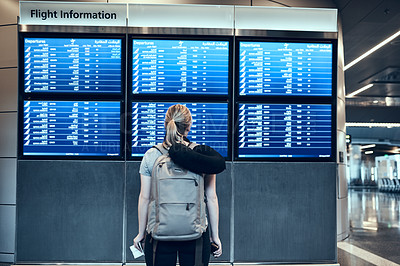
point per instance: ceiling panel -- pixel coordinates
(341, 4)
(374, 135)
(375, 114)
(385, 11)
(355, 11)
(373, 101)
(365, 24)
(366, 35)
(380, 150)
(358, 75)
(392, 90)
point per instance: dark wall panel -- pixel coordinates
(224, 191)
(73, 211)
(70, 211)
(285, 212)
(132, 196)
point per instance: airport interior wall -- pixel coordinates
(73, 211)
(8, 127)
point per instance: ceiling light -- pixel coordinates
(395, 150)
(369, 152)
(359, 90)
(358, 59)
(355, 124)
(368, 146)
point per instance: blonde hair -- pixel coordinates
(177, 120)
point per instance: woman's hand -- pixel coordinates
(136, 241)
(218, 252)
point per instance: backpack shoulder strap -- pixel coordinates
(163, 151)
(160, 147)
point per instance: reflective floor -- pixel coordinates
(375, 228)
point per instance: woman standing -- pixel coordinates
(203, 160)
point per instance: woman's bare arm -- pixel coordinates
(143, 204)
(213, 211)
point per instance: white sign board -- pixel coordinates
(283, 18)
(181, 16)
(76, 14)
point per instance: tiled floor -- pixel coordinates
(375, 229)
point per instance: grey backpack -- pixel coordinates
(177, 210)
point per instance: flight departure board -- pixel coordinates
(284, 130)
(71, 128)
(66, 65)
(180, 66)
(285, 68)
(209, 125)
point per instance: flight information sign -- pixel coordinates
(284, 68)
(209, 125)
(180, 66)
(284, 130)
(65, 65)
(71, 128)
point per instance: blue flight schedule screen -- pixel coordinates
(280, 68)
(180, 66)
(66, 128)
(284, 130)
(65, 65)
(209, 125)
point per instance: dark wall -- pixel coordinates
(69, 211)
(285, 212)
(73, 211)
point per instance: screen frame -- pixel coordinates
(331, 158)
(150, 96)
(21, 154)
(21, 64)
(182, 101)
(238, 40)
(70, 96)
(176, 98)
(286, 99)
